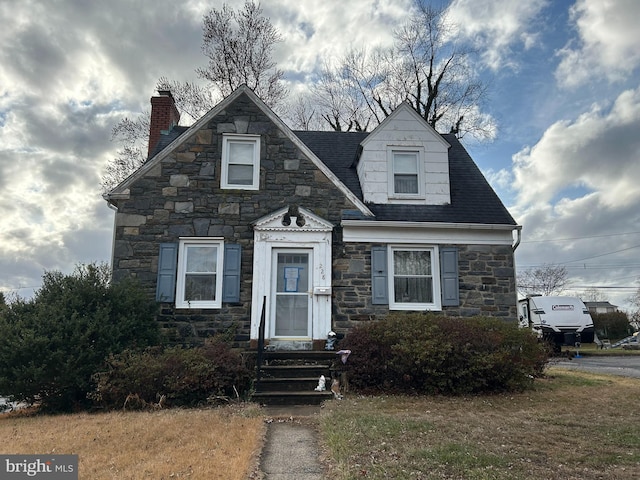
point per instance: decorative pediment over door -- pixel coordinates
(292, 219)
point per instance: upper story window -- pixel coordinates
(406, 178)
(240, 162)
(199, 273)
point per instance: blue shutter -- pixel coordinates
(167, 262)
(231, 273)
(379, 276)
(449, 276)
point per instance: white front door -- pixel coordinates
(292, 276)
(291, 308)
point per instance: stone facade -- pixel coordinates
(181, 197)
(487, 285)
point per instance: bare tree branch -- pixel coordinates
(425, 67)
(239, 45)
(549, 279)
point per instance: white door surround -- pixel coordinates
(281, 232)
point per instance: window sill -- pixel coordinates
(416, 307)
(199, 306)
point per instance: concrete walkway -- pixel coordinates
(291, 449)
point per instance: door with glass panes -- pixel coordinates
(291, 295)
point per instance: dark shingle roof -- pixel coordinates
(338, 151)
(167, 138)
(472, 198)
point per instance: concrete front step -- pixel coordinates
(290, 377)
(293, 384)
(291, 398)
(294, 371)
(300, 355)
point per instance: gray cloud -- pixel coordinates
(70, 69)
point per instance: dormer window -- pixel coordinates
(240, 162)
(405, 168)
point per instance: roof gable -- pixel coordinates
(397, 121)
(473, 200)
(405, 161)
(468, 186)
(122, 189)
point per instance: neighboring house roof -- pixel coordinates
(599, 305)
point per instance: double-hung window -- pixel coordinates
(240, 162)
(405, 167)
(199, 283)
(415, 283)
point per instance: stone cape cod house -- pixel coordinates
(324, 229)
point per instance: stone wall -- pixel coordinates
(486, 279)
(181, 197)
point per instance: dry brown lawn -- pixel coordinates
(573, 425)
(222, 443)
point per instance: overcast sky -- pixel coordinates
(565, 92)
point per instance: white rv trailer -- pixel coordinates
(561, 320)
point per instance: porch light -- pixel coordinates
(331, 340)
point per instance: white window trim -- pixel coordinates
(435, 273)
(224, 176)
(182, 265)
(391, 176)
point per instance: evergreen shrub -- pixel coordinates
(435, 354)
(52, 344)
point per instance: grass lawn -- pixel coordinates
(571, 426)
(593, 349)
(219, 443)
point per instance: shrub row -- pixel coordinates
(52, 345)
(172, 377)
(434, 354)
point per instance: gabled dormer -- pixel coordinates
(404, 161)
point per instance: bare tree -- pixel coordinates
(592, 294)
(192, 100)
(549, 279)
(634, 315)
(133, 136)
(425, 67)
(302, 114)
(239, 45)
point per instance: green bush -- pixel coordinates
(424, 353)
(52, 344)
(612, 325)
(173, 377)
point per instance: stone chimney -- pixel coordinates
(164, 115)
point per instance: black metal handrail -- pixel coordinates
(260, 355)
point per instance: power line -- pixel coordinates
(603, 287)
(578, 238)
(601, 255)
